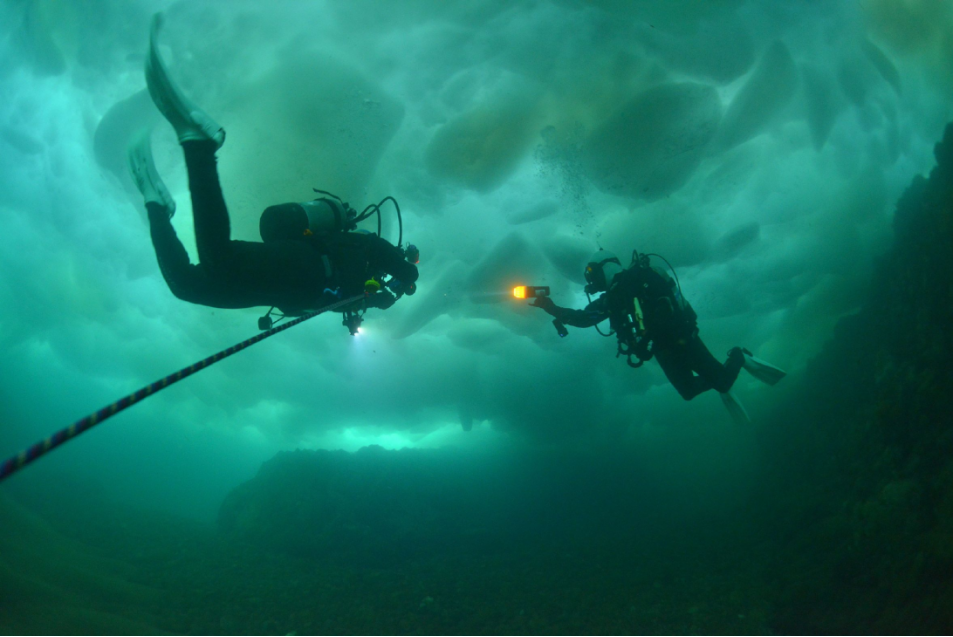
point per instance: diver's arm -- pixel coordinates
(592, 314)
(382, 299)
(387, 258)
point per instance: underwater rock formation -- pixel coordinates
(860, 490)
(373, 503)
(377, 506)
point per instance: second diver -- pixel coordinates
(650, 318)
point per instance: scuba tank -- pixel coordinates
(657, 304)
(295, 221)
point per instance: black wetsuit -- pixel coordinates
(288, 274)
(670, 325)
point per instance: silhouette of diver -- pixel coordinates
(309, 257)
(650, 317)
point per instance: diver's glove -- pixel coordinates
(380, 300)
(398, 288)
(545, 303)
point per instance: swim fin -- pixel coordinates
(765, 372)
(189, 121)
(735, 408)
(144, 173)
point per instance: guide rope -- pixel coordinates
(25, 457)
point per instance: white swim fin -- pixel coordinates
(189, 121)
(144, 174)
(765, 372)
(735, 408)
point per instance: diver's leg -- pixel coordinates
(200, 138)
(288, 274)
(187, 282)
(677, 365)
(720, 377)
(230, 274)
(238, 273)
(209, 213)
(248, 273)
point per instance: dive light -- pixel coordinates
(538, 291)
(352, 320)
(530, 291)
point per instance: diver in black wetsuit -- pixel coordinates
(650, 318)
(308, 259)
(291, 274)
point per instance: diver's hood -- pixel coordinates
(600, 270)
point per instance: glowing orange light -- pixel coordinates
(519, 291)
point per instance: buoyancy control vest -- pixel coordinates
(351, 263)
(349, 258)
(325, 225)
(646, 303)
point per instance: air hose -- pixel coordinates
(611, 331)
(376, 207)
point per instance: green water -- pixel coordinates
(459, 468)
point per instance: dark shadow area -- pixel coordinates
(416, 542)
(857, 495)
(377, 507)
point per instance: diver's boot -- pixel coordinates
(144, 174)
(189, 121)
(736, 359)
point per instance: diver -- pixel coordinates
(651, 318)
(309, 257)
